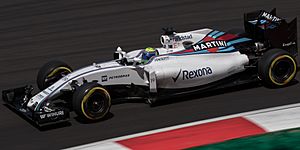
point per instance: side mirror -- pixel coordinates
(136, 61)
(119, 54)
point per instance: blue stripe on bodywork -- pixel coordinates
(218, 35)
(229, 49)
(238, 41)
(224, 49)
(213, 33)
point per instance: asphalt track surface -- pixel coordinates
(84, 31)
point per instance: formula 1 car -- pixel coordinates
(188, 62)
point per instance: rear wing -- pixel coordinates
(273, 31)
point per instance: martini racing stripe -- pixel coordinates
(238, 41)
(218, 35)
(227, 37)
(229, 49)
(221, 50)
(213, 33)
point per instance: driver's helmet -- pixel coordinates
(147, 54)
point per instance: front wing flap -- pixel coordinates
(18, 98)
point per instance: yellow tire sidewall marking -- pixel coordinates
(86, 97)
(291, 76)
(56, 70)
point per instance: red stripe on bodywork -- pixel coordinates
(184, 51)
(227, 37)
(208, 39)
(197, 135)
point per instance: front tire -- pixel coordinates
(52, 72)
(91, 102)
(277, 68)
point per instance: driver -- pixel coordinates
(147, 54)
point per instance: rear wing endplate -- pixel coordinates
(268, 28)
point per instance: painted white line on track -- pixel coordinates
(105, 145)
(277, 120)
(248, 115)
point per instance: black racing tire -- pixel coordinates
(277, 68)
(51, 72)
(91, 102)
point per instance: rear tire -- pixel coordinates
(277, 68)
(91, 102)
(52, 72)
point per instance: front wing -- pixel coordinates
(18, 98)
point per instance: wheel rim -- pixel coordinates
(282, 70)
(96, 103)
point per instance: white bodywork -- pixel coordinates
(163, 72)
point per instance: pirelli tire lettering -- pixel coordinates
(186, 74)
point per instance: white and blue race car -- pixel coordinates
(188, 62)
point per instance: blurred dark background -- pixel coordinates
(81, 32)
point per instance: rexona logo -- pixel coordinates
(191, 74)
(270, 17)
(209, 45)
